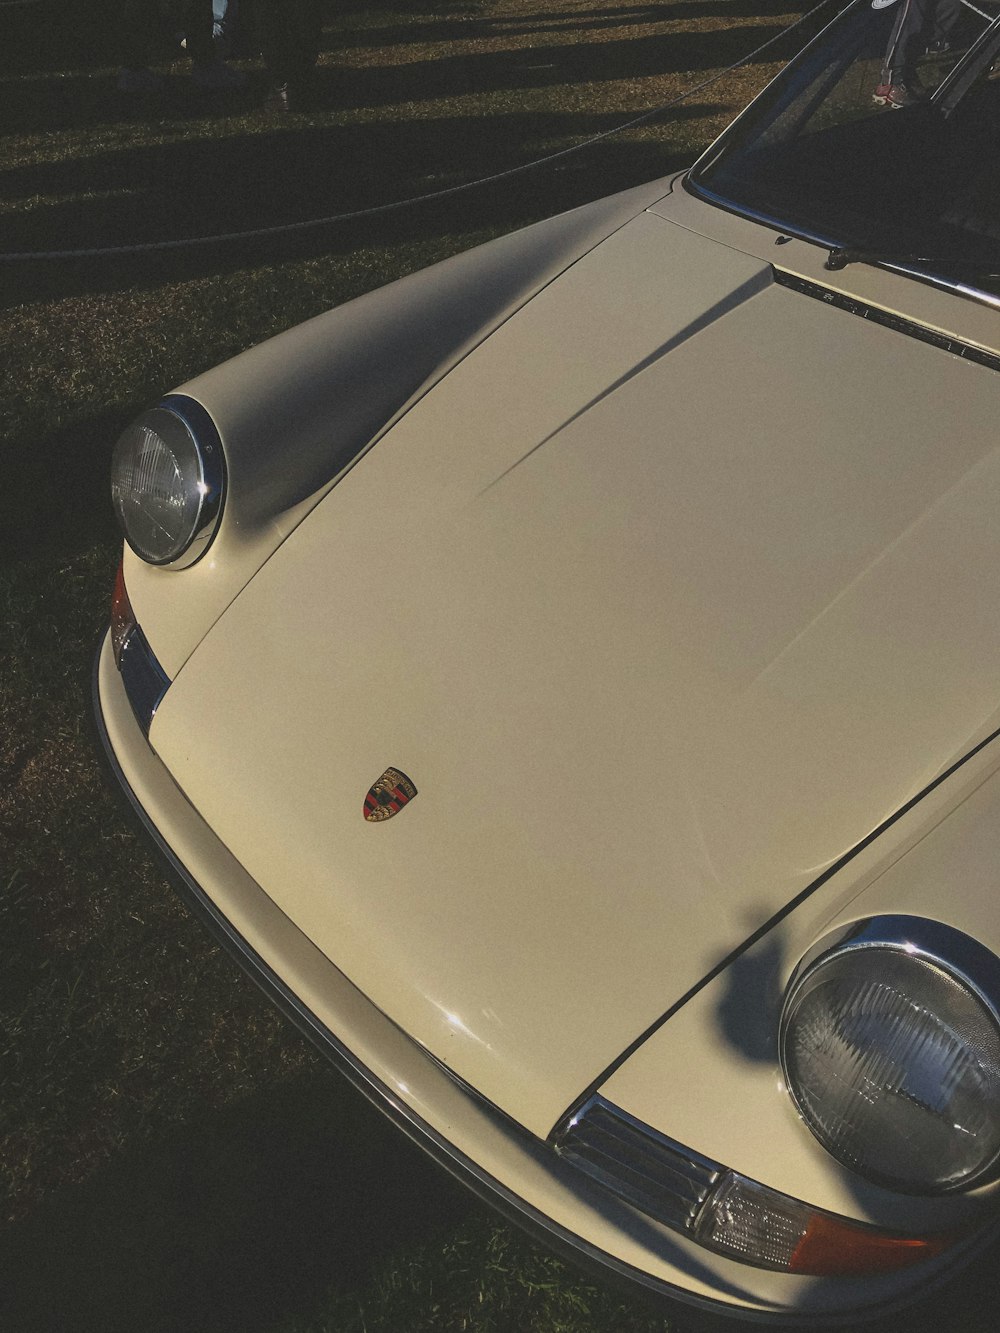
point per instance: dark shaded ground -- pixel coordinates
(231, 1220)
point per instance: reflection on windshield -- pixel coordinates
(882, 136)
(922, 35)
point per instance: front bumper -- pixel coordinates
(509, 1168)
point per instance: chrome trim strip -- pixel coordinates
(947, 285)
(783, 227)
(961, 77)
(665, 1179)
(144, 679)
(909, 328)
(212, 460)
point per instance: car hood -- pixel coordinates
(668, 595)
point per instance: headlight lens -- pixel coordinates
(890, 1044)
(167, 482)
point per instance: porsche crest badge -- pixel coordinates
(388, 796)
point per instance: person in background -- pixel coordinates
(921, 25)
(136, 39)
(226, 26)
(289, 37)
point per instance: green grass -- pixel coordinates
(172, 1155)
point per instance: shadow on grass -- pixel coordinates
(317, 173)
(246, 1217)
(252, 174)
(77, 99)
(186, 187)
(83, 36)
(171, 190)
(68, 468)
(461, 27)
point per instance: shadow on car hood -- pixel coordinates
(649, 679)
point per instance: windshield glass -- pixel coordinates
(882, 136)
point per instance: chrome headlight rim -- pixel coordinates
(958, 956)
(210, 482)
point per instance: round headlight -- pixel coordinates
(167, 482)
(890, 1045)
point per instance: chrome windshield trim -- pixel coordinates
(706, 158)
(958, 80)
(784, 228)
(946, 284)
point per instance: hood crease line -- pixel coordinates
(739, 296)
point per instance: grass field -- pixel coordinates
(172, 1155)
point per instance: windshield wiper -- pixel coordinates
(842, 255)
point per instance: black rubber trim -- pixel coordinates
(637, 1283)
(874, 315)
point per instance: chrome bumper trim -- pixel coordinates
(144, 679)
(663, 1178)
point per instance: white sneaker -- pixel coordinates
(140, 80)
(217, 77)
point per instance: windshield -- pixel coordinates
(882, 136)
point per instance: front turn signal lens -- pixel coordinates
(730, 1213)
(830, 1247)
(757, 1225)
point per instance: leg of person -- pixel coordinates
(290, 41)
(944, 18)
(897, 84)
(208, 71)
(133, 38)
(227, 27)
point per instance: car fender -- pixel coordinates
(296, 412)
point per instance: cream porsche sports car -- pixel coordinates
(567, 678)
